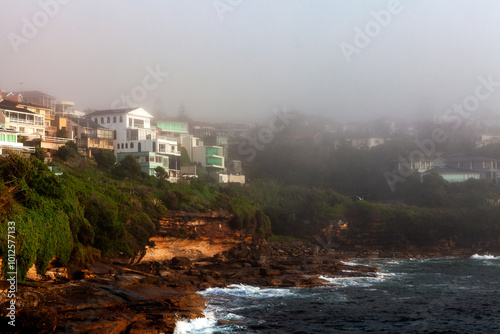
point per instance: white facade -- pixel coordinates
(134, 132)
(8, 141)
(231, 178)
(189, 142)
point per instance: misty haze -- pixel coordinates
(250, 166)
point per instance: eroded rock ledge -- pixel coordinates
(150, 293)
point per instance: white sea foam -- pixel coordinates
(248, 291)
(484, 257)
(207, 324)
(349, 263)
(362, 282)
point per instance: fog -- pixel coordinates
(236, 60)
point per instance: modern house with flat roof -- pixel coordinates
(8, 142)
(136, 135)
(210, 157)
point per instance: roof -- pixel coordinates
(448, 170)
(140, 112)
(87, 122)
(110, 111)
(473, 158)
(31, 93)
(7, 130)
(28, 104)
(8, 106)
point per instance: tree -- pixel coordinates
(185, 158)
(39, 154)
(62, 133)
(433, 192)
(182, 115)
(105, 158)
(128, 167)
(161, 173)
(69, 150)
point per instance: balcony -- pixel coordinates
(56, 139)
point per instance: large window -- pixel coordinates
(104, 133)
(211, 151)
(213, 161)
(162, 148)
(171, 126)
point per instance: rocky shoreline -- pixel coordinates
(113, 296)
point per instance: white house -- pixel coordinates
(136, 135)
(210, 157)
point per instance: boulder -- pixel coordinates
(181, 262)
(267, 272)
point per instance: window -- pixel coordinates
(173, 148)
(95, 120)
(158, 160)
(151, 159)
(109, 120)
(211, 151)
(126, 145)
(130, 122)
(102, 120)
(2, 137)
(121, 119)
(213, 161)
(117, 146)
(114, 119)
(162, 148)
(122, 145)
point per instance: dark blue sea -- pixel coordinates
(446, 295)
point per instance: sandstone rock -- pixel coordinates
(270, 272)
(181, 262)
(219, 258)
(164, 273)
(57, 273)
(193, 272)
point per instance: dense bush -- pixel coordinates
(105, 159)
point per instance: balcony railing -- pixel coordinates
(56, 139)
(23, 121)
(167, 138)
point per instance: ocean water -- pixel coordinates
(446, 295)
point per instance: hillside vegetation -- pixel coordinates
(88, 212)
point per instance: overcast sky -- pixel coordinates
(237, 60)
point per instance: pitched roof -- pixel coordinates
(8, 106)
(30, 93)
(86, 122)
(110, 111)
(28, 104)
